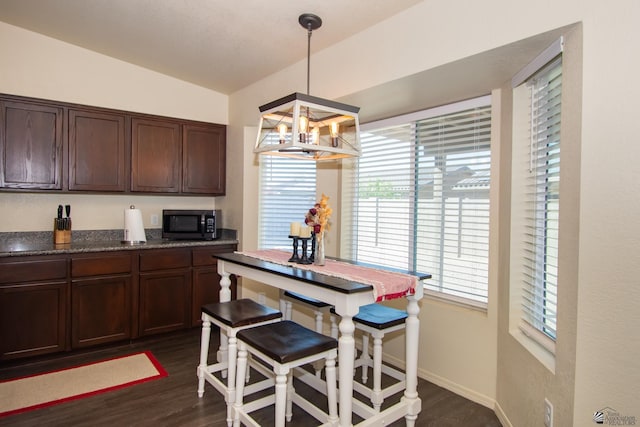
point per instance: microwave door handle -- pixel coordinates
(202, 224)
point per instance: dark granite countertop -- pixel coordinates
(41, 243)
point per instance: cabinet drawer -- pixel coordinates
(100, 265)
(204, 256)
(29, 271)
(165, 259)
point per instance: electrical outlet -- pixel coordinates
(548, 413)
(154, 219)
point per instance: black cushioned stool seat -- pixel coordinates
(285, 345)
(231, 317)
(241, 312)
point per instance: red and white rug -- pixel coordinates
(41, 390)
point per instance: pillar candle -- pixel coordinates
(294, 229)
(305, 231)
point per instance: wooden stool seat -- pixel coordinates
(231, 317)
(241, 312)
(287, 341)
(285, 345)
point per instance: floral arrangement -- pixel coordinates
(318, 216)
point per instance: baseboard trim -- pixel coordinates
(456, 388)
(502, 417)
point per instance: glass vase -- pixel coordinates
(318, 258)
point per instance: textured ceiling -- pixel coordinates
(219, 44)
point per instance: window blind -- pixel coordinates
(287, 191)
(540, 282)
(421, 192)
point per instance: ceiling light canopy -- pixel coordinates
(307, 127)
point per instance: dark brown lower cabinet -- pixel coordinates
(165, 298)
(101, 310)
(32, 319)
(165, 290)
(55, 303)
(33, 306)
(101, 298)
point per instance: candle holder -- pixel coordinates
(294, 256)
(304, 259)
(313, 247)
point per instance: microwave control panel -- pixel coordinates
(210, 225)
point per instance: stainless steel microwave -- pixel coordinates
(191, 224)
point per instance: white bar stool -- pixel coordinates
(231, 317)
(285, 345)
(377, 320)
(287, 299)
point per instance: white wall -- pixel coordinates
(597, 360)
(42, 67)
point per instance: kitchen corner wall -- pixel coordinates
(41, 67)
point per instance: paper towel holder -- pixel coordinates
(134, 233)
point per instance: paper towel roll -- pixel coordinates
(133, 227)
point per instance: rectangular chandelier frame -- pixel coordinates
(307, 127)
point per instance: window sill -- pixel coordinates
(546, 356)
(454, 300)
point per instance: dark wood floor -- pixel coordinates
(172, 401)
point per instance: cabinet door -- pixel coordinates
(30, 146)
(32, 319)
(156, 156)
(97, 160)
(165, 298)
(204, 159)
(101, 310)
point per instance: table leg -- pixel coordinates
(346, 356)
(225, 295)
(412, 335)
(225, 285)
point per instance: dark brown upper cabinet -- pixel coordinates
(31, 144)
(204, 159)
(97, 152)
(156, 154)
(50, 145)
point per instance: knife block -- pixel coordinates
(61, 236)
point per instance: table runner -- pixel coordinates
(386, 284)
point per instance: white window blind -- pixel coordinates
(422, 198)
(287, 191)
(540, 281)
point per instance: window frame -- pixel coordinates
(527, 330)
(351, 168)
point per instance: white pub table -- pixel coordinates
(328, 283)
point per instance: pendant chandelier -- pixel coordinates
(306, 127)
